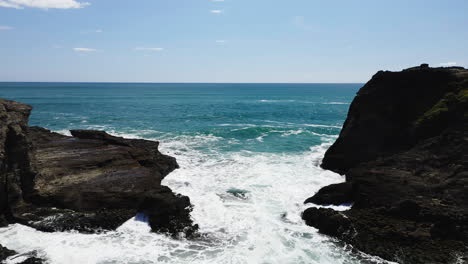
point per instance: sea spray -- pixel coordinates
(265, 228)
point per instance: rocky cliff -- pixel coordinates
(89, 182)
(404, 151)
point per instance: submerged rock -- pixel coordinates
(404, 150)
(89, 182)
(239, 193)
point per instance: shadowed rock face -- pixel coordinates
(16, 173)
(89, 182)
(406, 164)
(382, 117)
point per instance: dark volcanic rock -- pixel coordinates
(16, 173)
(5, 253)
(33, 260)
(405, 155)
(91, 174)
(51, 219)
(167, 212)
(328, 221)
(89, 182)
(382, 116)
(336, 194)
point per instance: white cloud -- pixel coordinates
(150, 49)
(217, 0)
(98, 31)
(221, 41)
(216, 11)
(5, 28)
(447, 64)
(84, 49)
(44, 4)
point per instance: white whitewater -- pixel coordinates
(265, 226)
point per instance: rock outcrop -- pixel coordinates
(89, 182)
(404, 151)
(5, 253)
(16, 173)
(394, 111)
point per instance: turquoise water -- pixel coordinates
(255, 117)
(249, 156)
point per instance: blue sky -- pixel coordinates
(226, 41)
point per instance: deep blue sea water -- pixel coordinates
(264, 139)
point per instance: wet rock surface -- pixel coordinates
(27, 258)
(5, 253)
(89, 182)
(404, 151)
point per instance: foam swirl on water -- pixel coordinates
(261, 226)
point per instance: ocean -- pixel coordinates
(264, 140)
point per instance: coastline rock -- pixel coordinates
(383, 116)
(335, 194)
(5, 253)
(168, 213)
(89, 182)
(16, 173)
(328, 221)
(407, 163)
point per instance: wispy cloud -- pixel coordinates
(43, 4)
(217, 0)
(92, 31)
(149, 49)
(84, 49)
(216, 11)
(5, 28)
(448, 64)
(220, 41)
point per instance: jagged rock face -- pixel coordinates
(89, 182)
(90, 174)
(16, 173)
(384, 115)
(410, 197)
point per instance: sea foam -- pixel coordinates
(263, 226)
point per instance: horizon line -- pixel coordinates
(187, 82)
